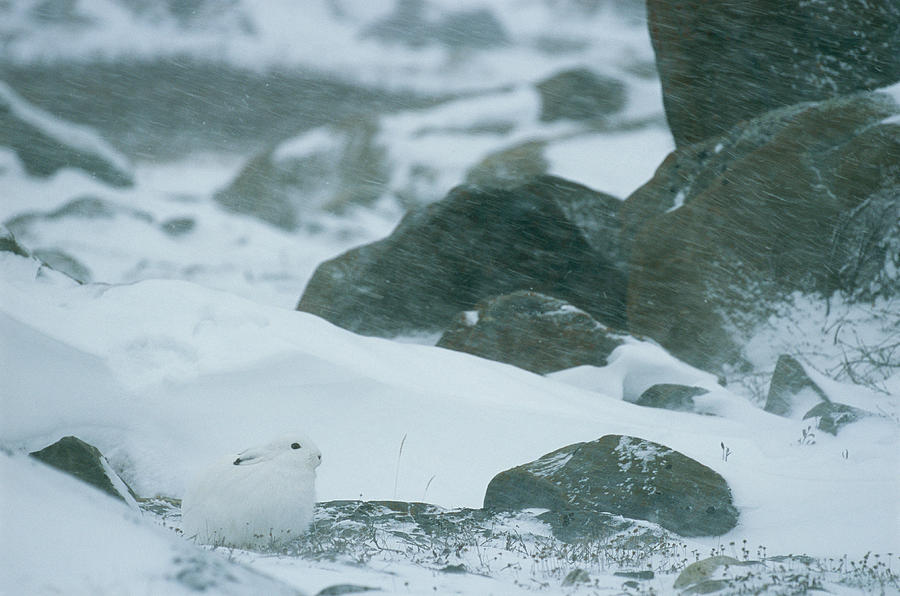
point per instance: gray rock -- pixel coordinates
(580, 94)
(724, 62)
(85, 462)
(728, 230)
(476, 28)
(788, 380)
(575, 577)
(327, 169)
(834, 416)
(670, 397)
(341, 589)
(641, 575)
(63, 262)
(506, 168)
(550, 236)
(8, 243)
(624, 476)
(178, 226)
(532, 331)
(46, 144)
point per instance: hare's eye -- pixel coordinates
(295, 445)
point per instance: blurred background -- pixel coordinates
(238, 143)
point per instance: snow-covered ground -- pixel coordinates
(184, 346)
(166, 376)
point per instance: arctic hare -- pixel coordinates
(261, 497)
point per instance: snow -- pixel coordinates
(77, 540)
(677, 202)
(609, 162)
(153, 362)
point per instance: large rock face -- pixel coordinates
(723, 62)
(532, 331)
(550, 236)
(804, 199)
(621, 475)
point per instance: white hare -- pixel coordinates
(261, 497)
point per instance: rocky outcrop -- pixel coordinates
(670, 397)
(805, 199)
(580, 94)
(624, 476)
(46, 144)
(84, 461)
(532, 331)
(326, 169)
(724, 62)
(791, 388)
(550, 236)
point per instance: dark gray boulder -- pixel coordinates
(624, 476)
(580, 94)
(532, 331)
(801, 200)
(549, 235)
(788, 381)
(85, 462)
(724, 62)
(670, 397)
(45, 144)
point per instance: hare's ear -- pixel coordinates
(249, 457)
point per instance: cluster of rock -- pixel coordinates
(357, 158)
(786, 179)
(794, 191)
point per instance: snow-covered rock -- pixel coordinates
(621, 475)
